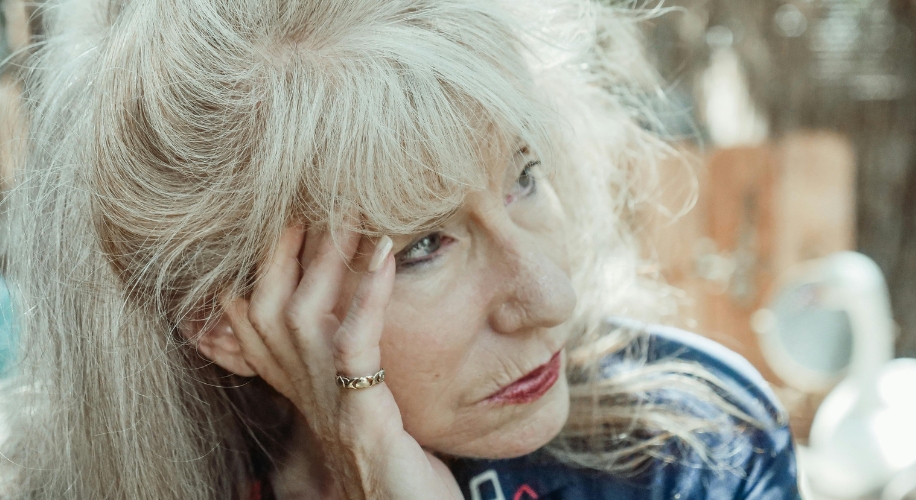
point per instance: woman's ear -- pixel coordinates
(217, 342)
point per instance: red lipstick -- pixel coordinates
(532, 386)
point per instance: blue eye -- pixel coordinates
(421, 250)
(526, 182)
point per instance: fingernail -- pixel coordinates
(382, 249)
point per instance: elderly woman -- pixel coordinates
(354, 249)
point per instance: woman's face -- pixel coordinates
(477, 305)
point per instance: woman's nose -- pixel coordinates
(534, 291)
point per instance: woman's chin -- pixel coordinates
(523, 431)
(540, 428)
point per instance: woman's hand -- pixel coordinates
(296, 333)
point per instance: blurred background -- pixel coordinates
(799, 117)
(798, 120)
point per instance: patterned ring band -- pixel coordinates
(361, 382)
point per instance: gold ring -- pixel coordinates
(361, 382)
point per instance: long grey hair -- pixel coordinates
(171, 141)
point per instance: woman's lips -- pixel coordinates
(532, 386)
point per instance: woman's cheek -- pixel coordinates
(422, 353)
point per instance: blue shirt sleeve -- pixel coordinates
(764, 464)
(760, 466)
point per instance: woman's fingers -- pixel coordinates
(271, 296)
(325, 267)
(290, 325)
(281, 276)
(255, 352)
(356, 343)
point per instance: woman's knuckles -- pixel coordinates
(350, 349)
(299, 316)
(359, 326)
(263, 322)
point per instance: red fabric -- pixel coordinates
(255, 493)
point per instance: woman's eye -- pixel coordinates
(526, 179)
(526, 184)
(421, 250)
